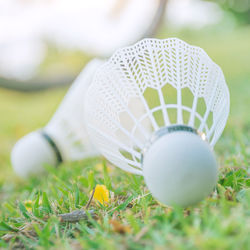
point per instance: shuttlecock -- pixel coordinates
(183, 96)
(64, 138)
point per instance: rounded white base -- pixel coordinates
(180, 169)
(30, 154)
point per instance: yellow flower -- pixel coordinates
(101, 194)
(28, 205)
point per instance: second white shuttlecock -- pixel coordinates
(64, 138)
(184, 105)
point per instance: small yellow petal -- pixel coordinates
(28, 205)
(101, 194)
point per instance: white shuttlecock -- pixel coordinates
(183, 96)
(64, 138)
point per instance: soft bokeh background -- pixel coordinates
(44, 43)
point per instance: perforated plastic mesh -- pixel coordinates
(153, 84)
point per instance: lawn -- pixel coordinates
(131, 219)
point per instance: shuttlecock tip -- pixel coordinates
(30, 154)
(180, 169)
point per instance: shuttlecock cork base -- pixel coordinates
(179, 166)
(32, 152)
(166, 130)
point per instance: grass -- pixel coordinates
(132, 219)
